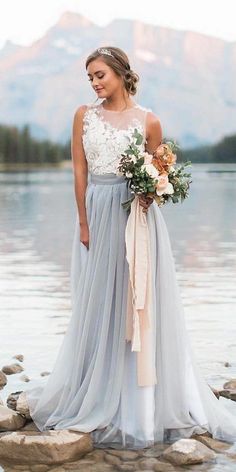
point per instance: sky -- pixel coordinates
(24, 21)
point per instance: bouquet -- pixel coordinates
(154, 175)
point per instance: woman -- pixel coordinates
(94, 385)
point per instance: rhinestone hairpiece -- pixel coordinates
(105, 51)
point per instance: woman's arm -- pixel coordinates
(79, 163)
(153, 132)
(154, 139)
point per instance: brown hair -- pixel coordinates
(119, 62)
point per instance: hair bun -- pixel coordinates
(131, 79)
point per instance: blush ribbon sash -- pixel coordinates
(139, 314)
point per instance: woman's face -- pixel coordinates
(103, 79)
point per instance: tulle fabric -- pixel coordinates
(93, 385)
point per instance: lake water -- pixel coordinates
(36, 230)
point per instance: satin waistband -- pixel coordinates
(107, 179)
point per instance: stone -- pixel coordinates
(215, 391)
(24, 378)
(147, 463)
(39, 468)
(214, 444)
(10, 420)
(188, 451)
(111, 459)
(12, 369)
(127, 467)
(164, 467)
(30, 426)
(97, 455)
(47, 447)
(12, 398)
(43, 374)
(230, 384)
(154, 451)
(3, 379)
(19, 357)
(21, 405)
(125, 455)
(230, 394)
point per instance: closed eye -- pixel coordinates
(98, 78)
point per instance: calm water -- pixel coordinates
(37, 224)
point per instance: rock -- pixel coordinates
(214, 444)
(12, 398)
(113, 460)
(43, 374)
(230, 384)
(39, 468)
(188, 451)
(12, 369)
(164, 467)
(224, 393)
(155, 451)
(227, 364)
(97, 455)
(3, 379)
(22, 406)
(230, 394)
(127, 467)
(47, 447)
(100, 467)
(30, 426)
(24, 378)
(215, 391)
(10, 420)
(148, 463)
(125, 455)
(19, 357)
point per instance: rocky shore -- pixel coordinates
(24, 448)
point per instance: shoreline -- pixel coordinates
(66, 164)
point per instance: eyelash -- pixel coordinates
(90, 80)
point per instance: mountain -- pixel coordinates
(186, 78)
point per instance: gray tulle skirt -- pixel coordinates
(93, 385)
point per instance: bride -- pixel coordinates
(94, 386)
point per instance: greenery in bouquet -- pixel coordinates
(154, 175)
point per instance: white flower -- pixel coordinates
(147, 158)
(129, 175)
(163, 185)
(151, 170)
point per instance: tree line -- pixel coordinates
(17, 146)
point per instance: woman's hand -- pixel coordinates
(145, 202)
(84, 234)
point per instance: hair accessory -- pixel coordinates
(105, 51)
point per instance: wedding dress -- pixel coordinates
(93, 385)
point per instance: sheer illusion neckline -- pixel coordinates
(118, 111)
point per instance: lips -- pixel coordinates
(98, 90)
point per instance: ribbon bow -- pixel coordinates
(139, 297)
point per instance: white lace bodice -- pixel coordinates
(106, 134)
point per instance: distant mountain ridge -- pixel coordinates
(186, 78)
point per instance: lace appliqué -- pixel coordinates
(104, 143)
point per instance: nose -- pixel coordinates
(95, 82)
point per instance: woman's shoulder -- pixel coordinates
(82, 110)
(151, 116)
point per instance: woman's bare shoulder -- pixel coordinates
(153, 130)
(80, 111)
